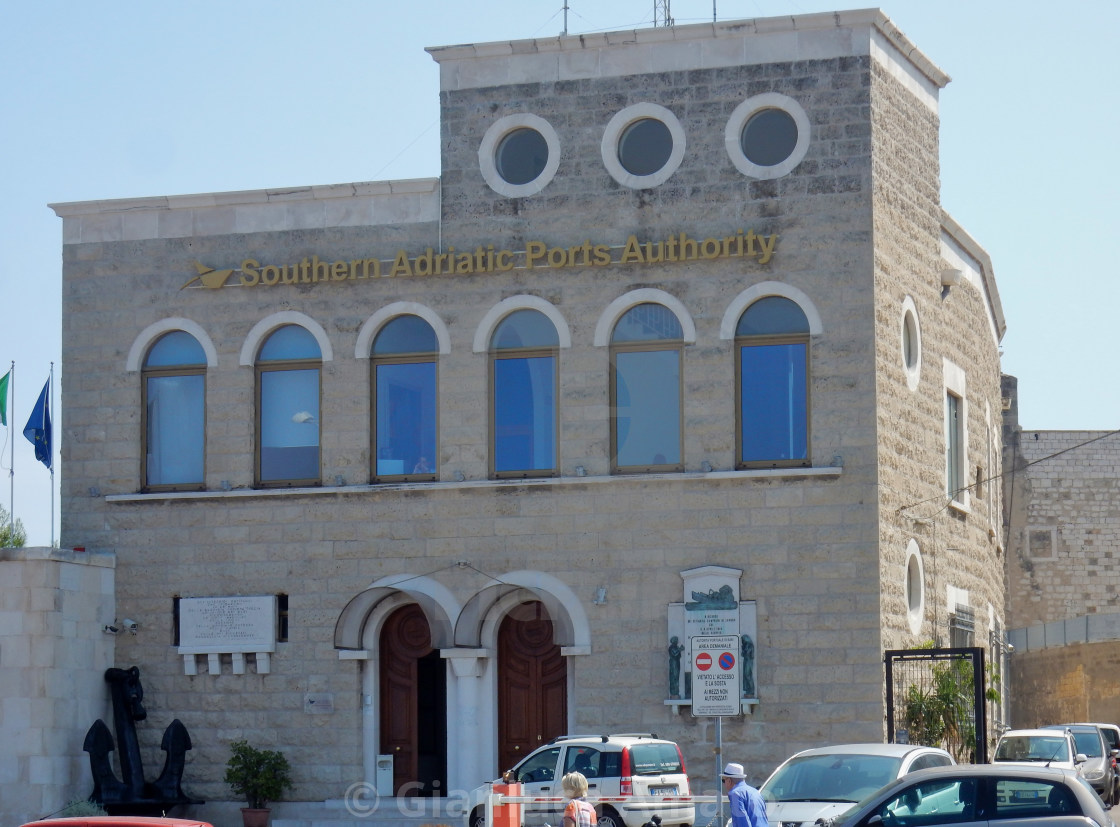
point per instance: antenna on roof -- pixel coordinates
(565, 32)
(666, 17)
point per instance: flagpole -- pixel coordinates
(52, 455)
(12, 463)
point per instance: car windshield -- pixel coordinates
(835, 777)
(1032, 748)
(1088, 742)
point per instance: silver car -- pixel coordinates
(967, 795)
(823, 782)
(1097, 768)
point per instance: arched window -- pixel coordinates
(173, 391)
(524, 389)
(772, 352)
(403, 377)
(645, 390)
(288, 367)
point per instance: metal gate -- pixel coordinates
(935, 697)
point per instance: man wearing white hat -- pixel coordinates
(747, 807)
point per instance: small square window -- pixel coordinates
(1040, 542)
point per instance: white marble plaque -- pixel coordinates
(227, 624)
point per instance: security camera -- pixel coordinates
(130, 624)
(110, 630)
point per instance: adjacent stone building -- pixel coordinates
(404, 477)
(1063, 610)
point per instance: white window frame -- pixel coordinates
(608, 148)
(493, 136)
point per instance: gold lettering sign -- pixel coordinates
(537, 255)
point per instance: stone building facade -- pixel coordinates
(662, 357)
(1062, 504)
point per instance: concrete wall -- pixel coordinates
(53, 653)
(1078, 682)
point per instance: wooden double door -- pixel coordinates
(532, 695)
(413, 705)
(532, 684)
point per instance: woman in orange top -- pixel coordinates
(578, 813)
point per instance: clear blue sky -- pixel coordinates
(125, 98)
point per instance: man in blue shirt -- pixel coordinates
(747, 807)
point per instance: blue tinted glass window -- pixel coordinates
(174, 417)
(175, 423)
(525, 328)
(405, 418)
(772, 315)
(405, 334)
(290, 342)
(647, 407)
(175, 348)
(289, 425)
(647, 322)
(524, 414)
(773, 404)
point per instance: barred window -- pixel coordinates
(962, 624)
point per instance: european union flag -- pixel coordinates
(38, 429)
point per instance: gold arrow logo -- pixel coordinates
(209, 277)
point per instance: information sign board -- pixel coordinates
(716, 672)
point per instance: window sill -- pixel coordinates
(335, 490)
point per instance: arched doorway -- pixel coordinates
(532, 683)
(413, 704)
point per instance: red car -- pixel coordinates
(118, 821)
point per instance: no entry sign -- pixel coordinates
(715, 675)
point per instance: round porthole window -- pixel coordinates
(519, 155)
(915, 587)
(911, 344)
(767, 136)
(643, 145)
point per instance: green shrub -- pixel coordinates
(260, 775)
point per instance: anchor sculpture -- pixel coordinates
(132, 795)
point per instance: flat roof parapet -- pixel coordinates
(795, 37)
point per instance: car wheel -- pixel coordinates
(478, 817)
(609, 818)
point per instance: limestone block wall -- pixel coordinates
(53, 653)
(956, 332)
(1065, 525)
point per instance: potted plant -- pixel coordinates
(260, 775)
